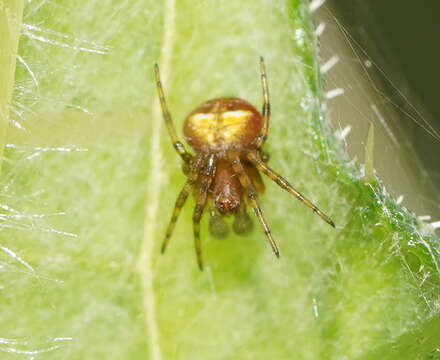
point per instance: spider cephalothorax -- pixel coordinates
(226, 135)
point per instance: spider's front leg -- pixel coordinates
(252, 196)
(254, 158)
(194, 168)
(205, 184)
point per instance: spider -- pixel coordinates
(227, 135)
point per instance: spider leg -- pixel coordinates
(205, 184)
(178, 145)
(181, 199)
(246, 182)
(259, 141)
(284, 184)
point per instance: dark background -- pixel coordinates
(403, 38)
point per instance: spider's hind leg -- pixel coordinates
(261, 138)
(178, 145)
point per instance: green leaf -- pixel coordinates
(10, 21)
(90, 178)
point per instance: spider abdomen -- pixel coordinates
(220, 124)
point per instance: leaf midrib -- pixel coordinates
(155, 183)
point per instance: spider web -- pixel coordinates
(359, 93)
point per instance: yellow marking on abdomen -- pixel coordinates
(224, 127)
(233, 124)
(204, 125)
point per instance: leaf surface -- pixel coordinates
(90, 178)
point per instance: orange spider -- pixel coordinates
(226, 135)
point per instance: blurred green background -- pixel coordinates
(387, 68)
(402, 37)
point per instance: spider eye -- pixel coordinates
(242, 223)
(218, 227)
(227, 205)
